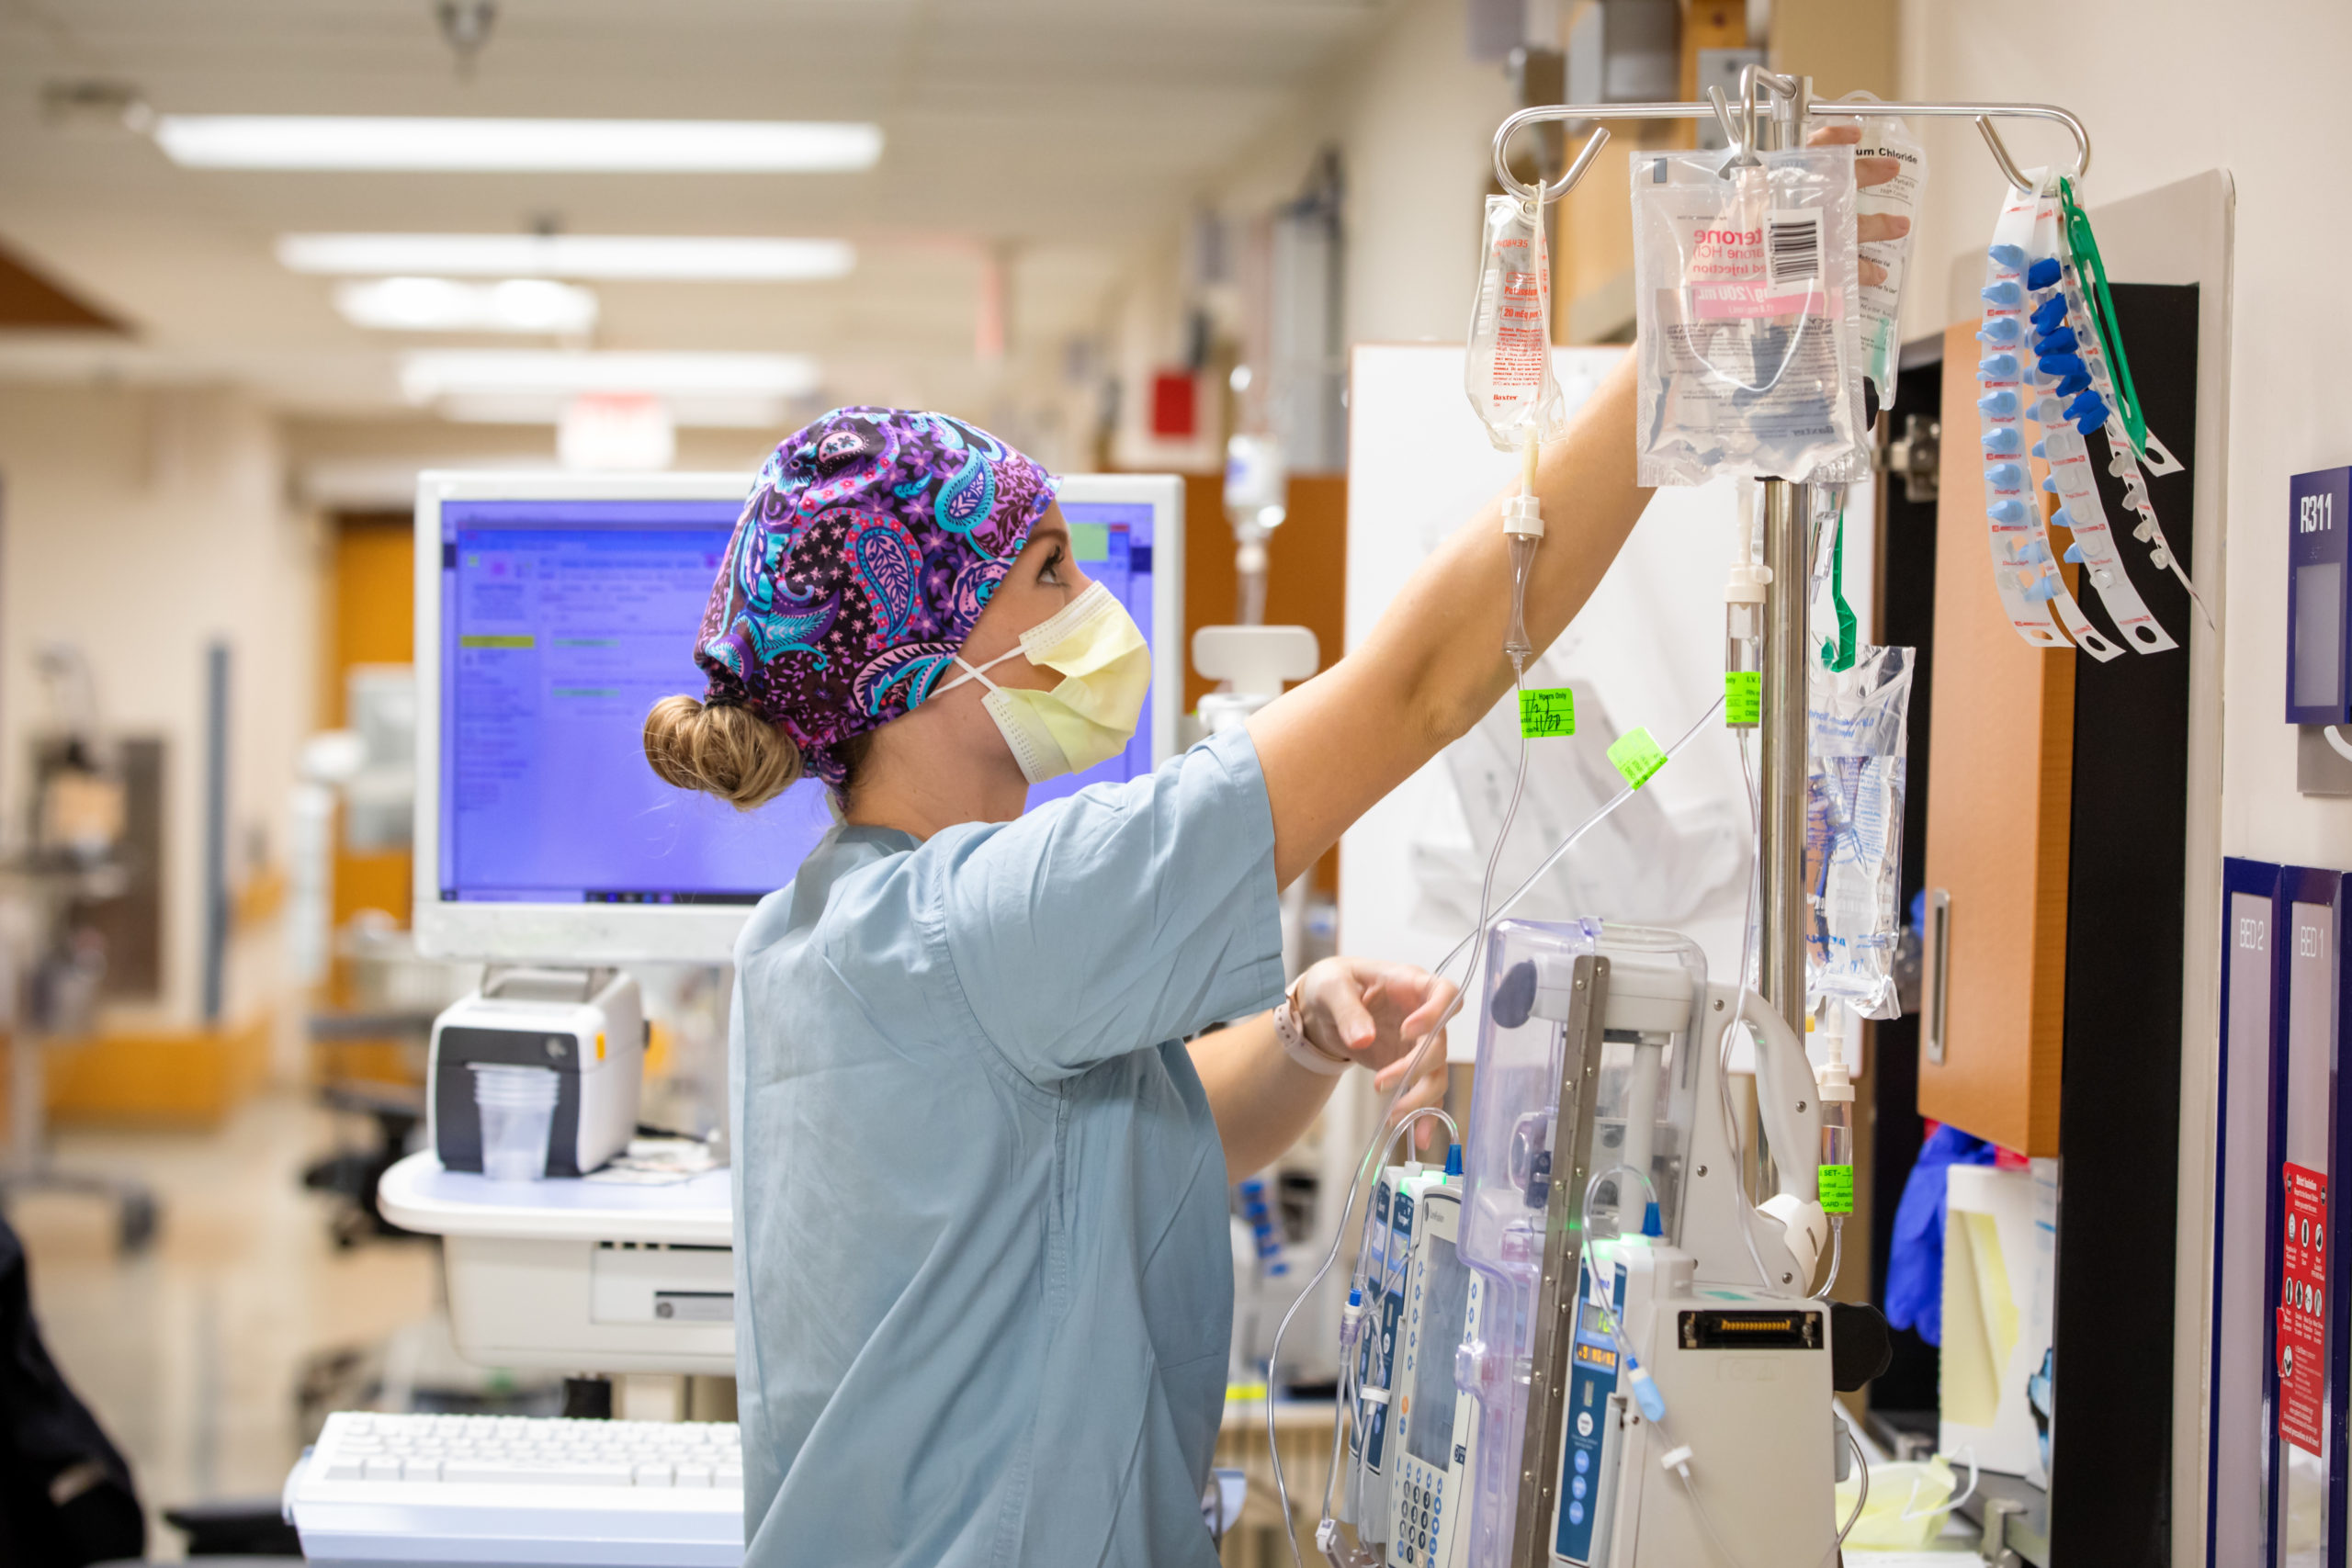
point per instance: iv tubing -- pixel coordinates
(1522, 528)
(1467, 944)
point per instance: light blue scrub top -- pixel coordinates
(983, 1273)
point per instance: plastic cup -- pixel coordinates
(517, 1107)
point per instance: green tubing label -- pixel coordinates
(1542, 715)
(1637, 757)
(1743, 697)
(1837, 1189)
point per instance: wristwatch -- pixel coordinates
(1290, 1033)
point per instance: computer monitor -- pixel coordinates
(551, 612)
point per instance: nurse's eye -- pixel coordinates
(1050, 573)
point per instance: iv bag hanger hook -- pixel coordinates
(1792, 104)
(1567, 180)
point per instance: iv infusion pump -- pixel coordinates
(1414, 1442)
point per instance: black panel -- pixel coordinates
(2119, 1092)
(1907, 619)
(456, 1124)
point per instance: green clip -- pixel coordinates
(1542, 715)
(2092, 267)
(1837, 1189)
(1637, 757)
(1839, 654)
(1743, 697)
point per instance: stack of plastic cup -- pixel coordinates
(517, 1106)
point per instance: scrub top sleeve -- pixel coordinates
(1122, 917)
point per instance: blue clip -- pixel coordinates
(2069, 387)
(2088, 412)
(2042, 589)
(2007, 255)
(2075, 553)
(2010, 512)
(1998, 368)
(2005, 292)
(2060, 340)
(2002, 404)
(2001, 330)
(2002, 442)
(2059, 364)
(2051, 312)
(2043, 274)
(2006, 475)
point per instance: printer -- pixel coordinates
(587, 1025)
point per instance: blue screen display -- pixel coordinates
(562, 623)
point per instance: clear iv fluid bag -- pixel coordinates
(1644, 1113)
(1509, 376)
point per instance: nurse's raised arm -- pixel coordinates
(1434, 664)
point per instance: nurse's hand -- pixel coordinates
(1871, 226)
(1377, 1013)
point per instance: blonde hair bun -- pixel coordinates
(721, 749)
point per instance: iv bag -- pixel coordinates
(1886, 136)
(1509, 376)
(1853, 839)
(1747, 312)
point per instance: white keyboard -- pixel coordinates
(508, 1489)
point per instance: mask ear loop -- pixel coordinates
(973, 672)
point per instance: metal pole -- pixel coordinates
(1782, 865)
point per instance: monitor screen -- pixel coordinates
(562, 622)
(1445, 1302)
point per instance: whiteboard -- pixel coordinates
(1646, 650)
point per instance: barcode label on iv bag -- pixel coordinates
(1792, 245)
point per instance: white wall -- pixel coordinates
(2169, 88)
(141, 525)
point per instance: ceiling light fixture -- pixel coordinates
(428, 374)
(443, 305)
(452, 145)
(711, 258)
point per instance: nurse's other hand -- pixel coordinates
(1376, 1013)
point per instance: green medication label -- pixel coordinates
(1837, 1189)
(1743, 697)
(1542, 715)
(1637, 757)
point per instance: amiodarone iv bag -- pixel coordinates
(1509, 373)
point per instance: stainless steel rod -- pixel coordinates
(1781, 870)
(1544, 113)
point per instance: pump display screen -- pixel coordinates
(1445, 1302)
(561, 623)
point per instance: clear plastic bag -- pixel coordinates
(1747, 308)
(1510, 377)
(1853, 847)
(1886, 136)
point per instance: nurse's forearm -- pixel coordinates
(1433, 664)
(1262, 1101)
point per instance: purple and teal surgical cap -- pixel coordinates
(865, 553)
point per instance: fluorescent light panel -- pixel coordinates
(427, 375)
(717, 258)
(444, 305)
(444, 145)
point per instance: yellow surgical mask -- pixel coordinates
(1089, 717)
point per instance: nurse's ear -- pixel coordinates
(721, 749)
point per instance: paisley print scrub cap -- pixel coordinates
(865, 553)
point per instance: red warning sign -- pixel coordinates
(2302, 1304)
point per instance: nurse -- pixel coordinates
(984, 1113)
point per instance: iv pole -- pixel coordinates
(1770, 112)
